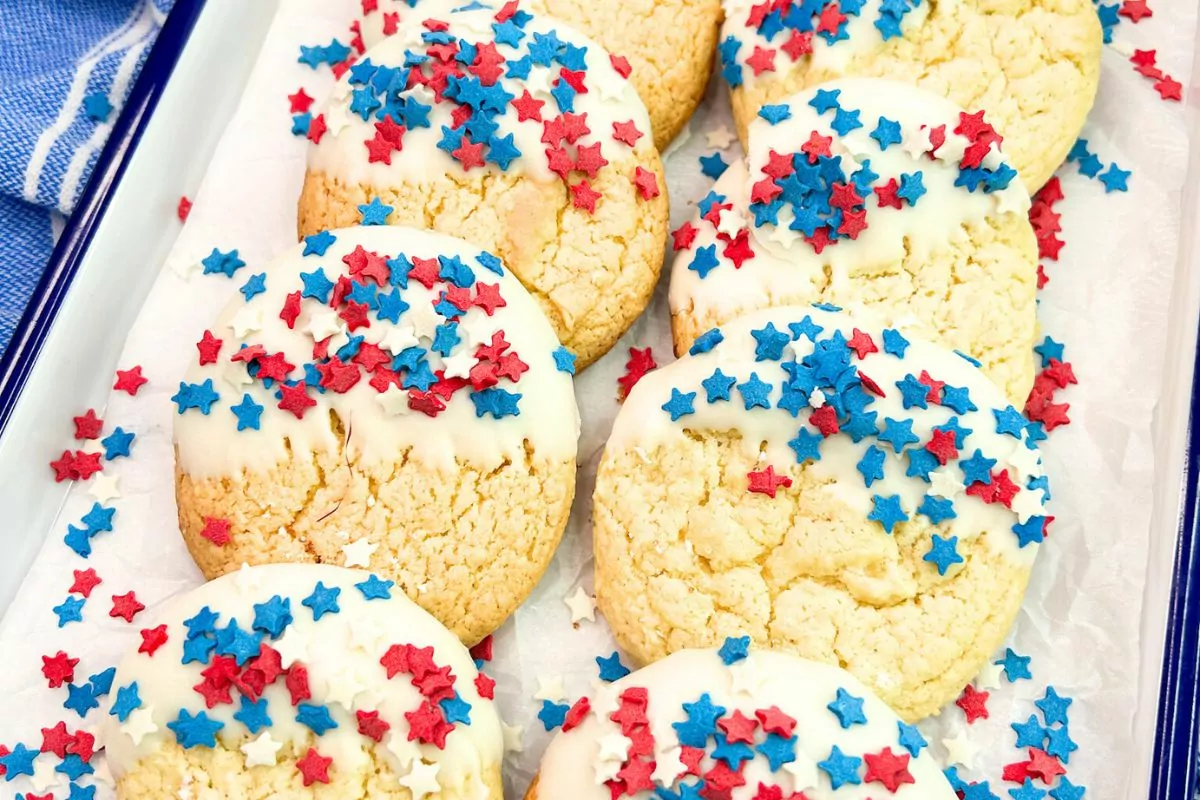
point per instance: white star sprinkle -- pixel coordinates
(512, 737)
(394, 401)
(720, 137)
(104, 487)
(358, 553)
(960, 750)
(399, 339)
(1025, 462)
(365, 634)
(323, 324)
(943, 484)
(247, 319)
(1027, 503)
(247, 578)
(550, 689)
(459, 364)
(745, 675)
(422, 780)
(43, 776)
(582, 606)
(399, 746)
(293, 646)
(668, 766)
(804, 773)
(614, 747)
(915, 142)
(234, 373)
(344, 688)
(263, 751)
(423, 319)
(731, 222)
(139, 724)
(989, 676)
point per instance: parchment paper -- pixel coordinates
(1107, 300)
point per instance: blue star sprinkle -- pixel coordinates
(755, 392)
(718, 386)
(713, 166)
(200, 396)
(701, 722)
(871, 465)
(316, 718)
(848, 709)
(375, 588)
(375, 212)
(553, 714)
(611, 668)
(80, 699)
(322, 601)
(318, 243)
(1029, 733)
(1053, 707)
(126, 703)
(254, 286)
(887, 511)
(806, 446)
(225, 264)
(69, 610)
(943, 552)
(1016, 667)
(456, 710)
(273, 616)
(18, 762)
(248, 413)
(769, 343)
(911, 739)
(841, 768)
(706, 341)
(564, 360)
(734, 649)
(680, 405)
(253, 714)
(195, 731)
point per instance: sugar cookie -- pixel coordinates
(298, 681)
(392, 399)
(842, 202)
(1032, 66)
(537, 150)
(832, 489)
(738, 723)
(669, 45)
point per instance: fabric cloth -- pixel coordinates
(66, 67)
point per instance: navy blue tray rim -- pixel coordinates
(1173, 773)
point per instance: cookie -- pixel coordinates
(875, 193)
(668, 44)
(830, 487)
(386, 398)
(301, 681)
(764, 724)
(516, 133)
(1033, 67)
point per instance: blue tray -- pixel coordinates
(1173, 772)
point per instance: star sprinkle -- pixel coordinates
(973, 703)
(943, 553)
(767, 482)
(314, 767)
(611, 668)
(582, 606)
(125, 606)
(887, 511)
(848, 709)
(1016, 667)
(639, 364)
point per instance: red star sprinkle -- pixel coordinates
(487, 297)
(83, 745)
(640, 362)
(183, 209)
(816, 146)
(370, 725)
(853, 223)
(468, 154)
(761, 60)
(825, 420)
(935, 387)
(627, 132)
(683, 237)
(773, 720)
(59, 669)
(738, 727)
(210, 347)
(885, 194)
(274, 366)
(621, 65)
(738, 250)
(1169, 89)
(483, 650)
(576, 714)
(297, 684)
(56, 739)
(589, 160)
(485, 686)
(427, 725)
(125, 606)
(1016, 772)
(88, 426)
(314, 767)
(799, 45)
(316, 129)
(844, 196)
(973, 703)
(767, 482)
(152, 639)
(3, 752)
(216, 530)
(380, 149)
(1044, 766)
(296, 399)
(820, 239)
(1135, 10)
(942, 445)
(129, 380)
(85, 581)
(646, 182)
(887, 768)
(584, 196)
(862, 344)
(300, 101)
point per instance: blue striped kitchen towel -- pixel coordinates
(66, 67)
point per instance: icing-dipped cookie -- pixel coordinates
(831, 488)
(668, 44)
(388, 398)
(876, 193)
(739, 723)
(516, 133)
(1033, 67)
(301, 681)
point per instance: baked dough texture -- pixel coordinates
(960, 260)
(435, 445)
(301, 682)
(559, 176)
(669, 44)
(867, 531)
(779, 716)
(1032, 65)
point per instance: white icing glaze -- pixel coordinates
(341, 152)
(342, 669)
(378, 427)
(861, 37)
(642, 423)
(799, 687)
(783, 263)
